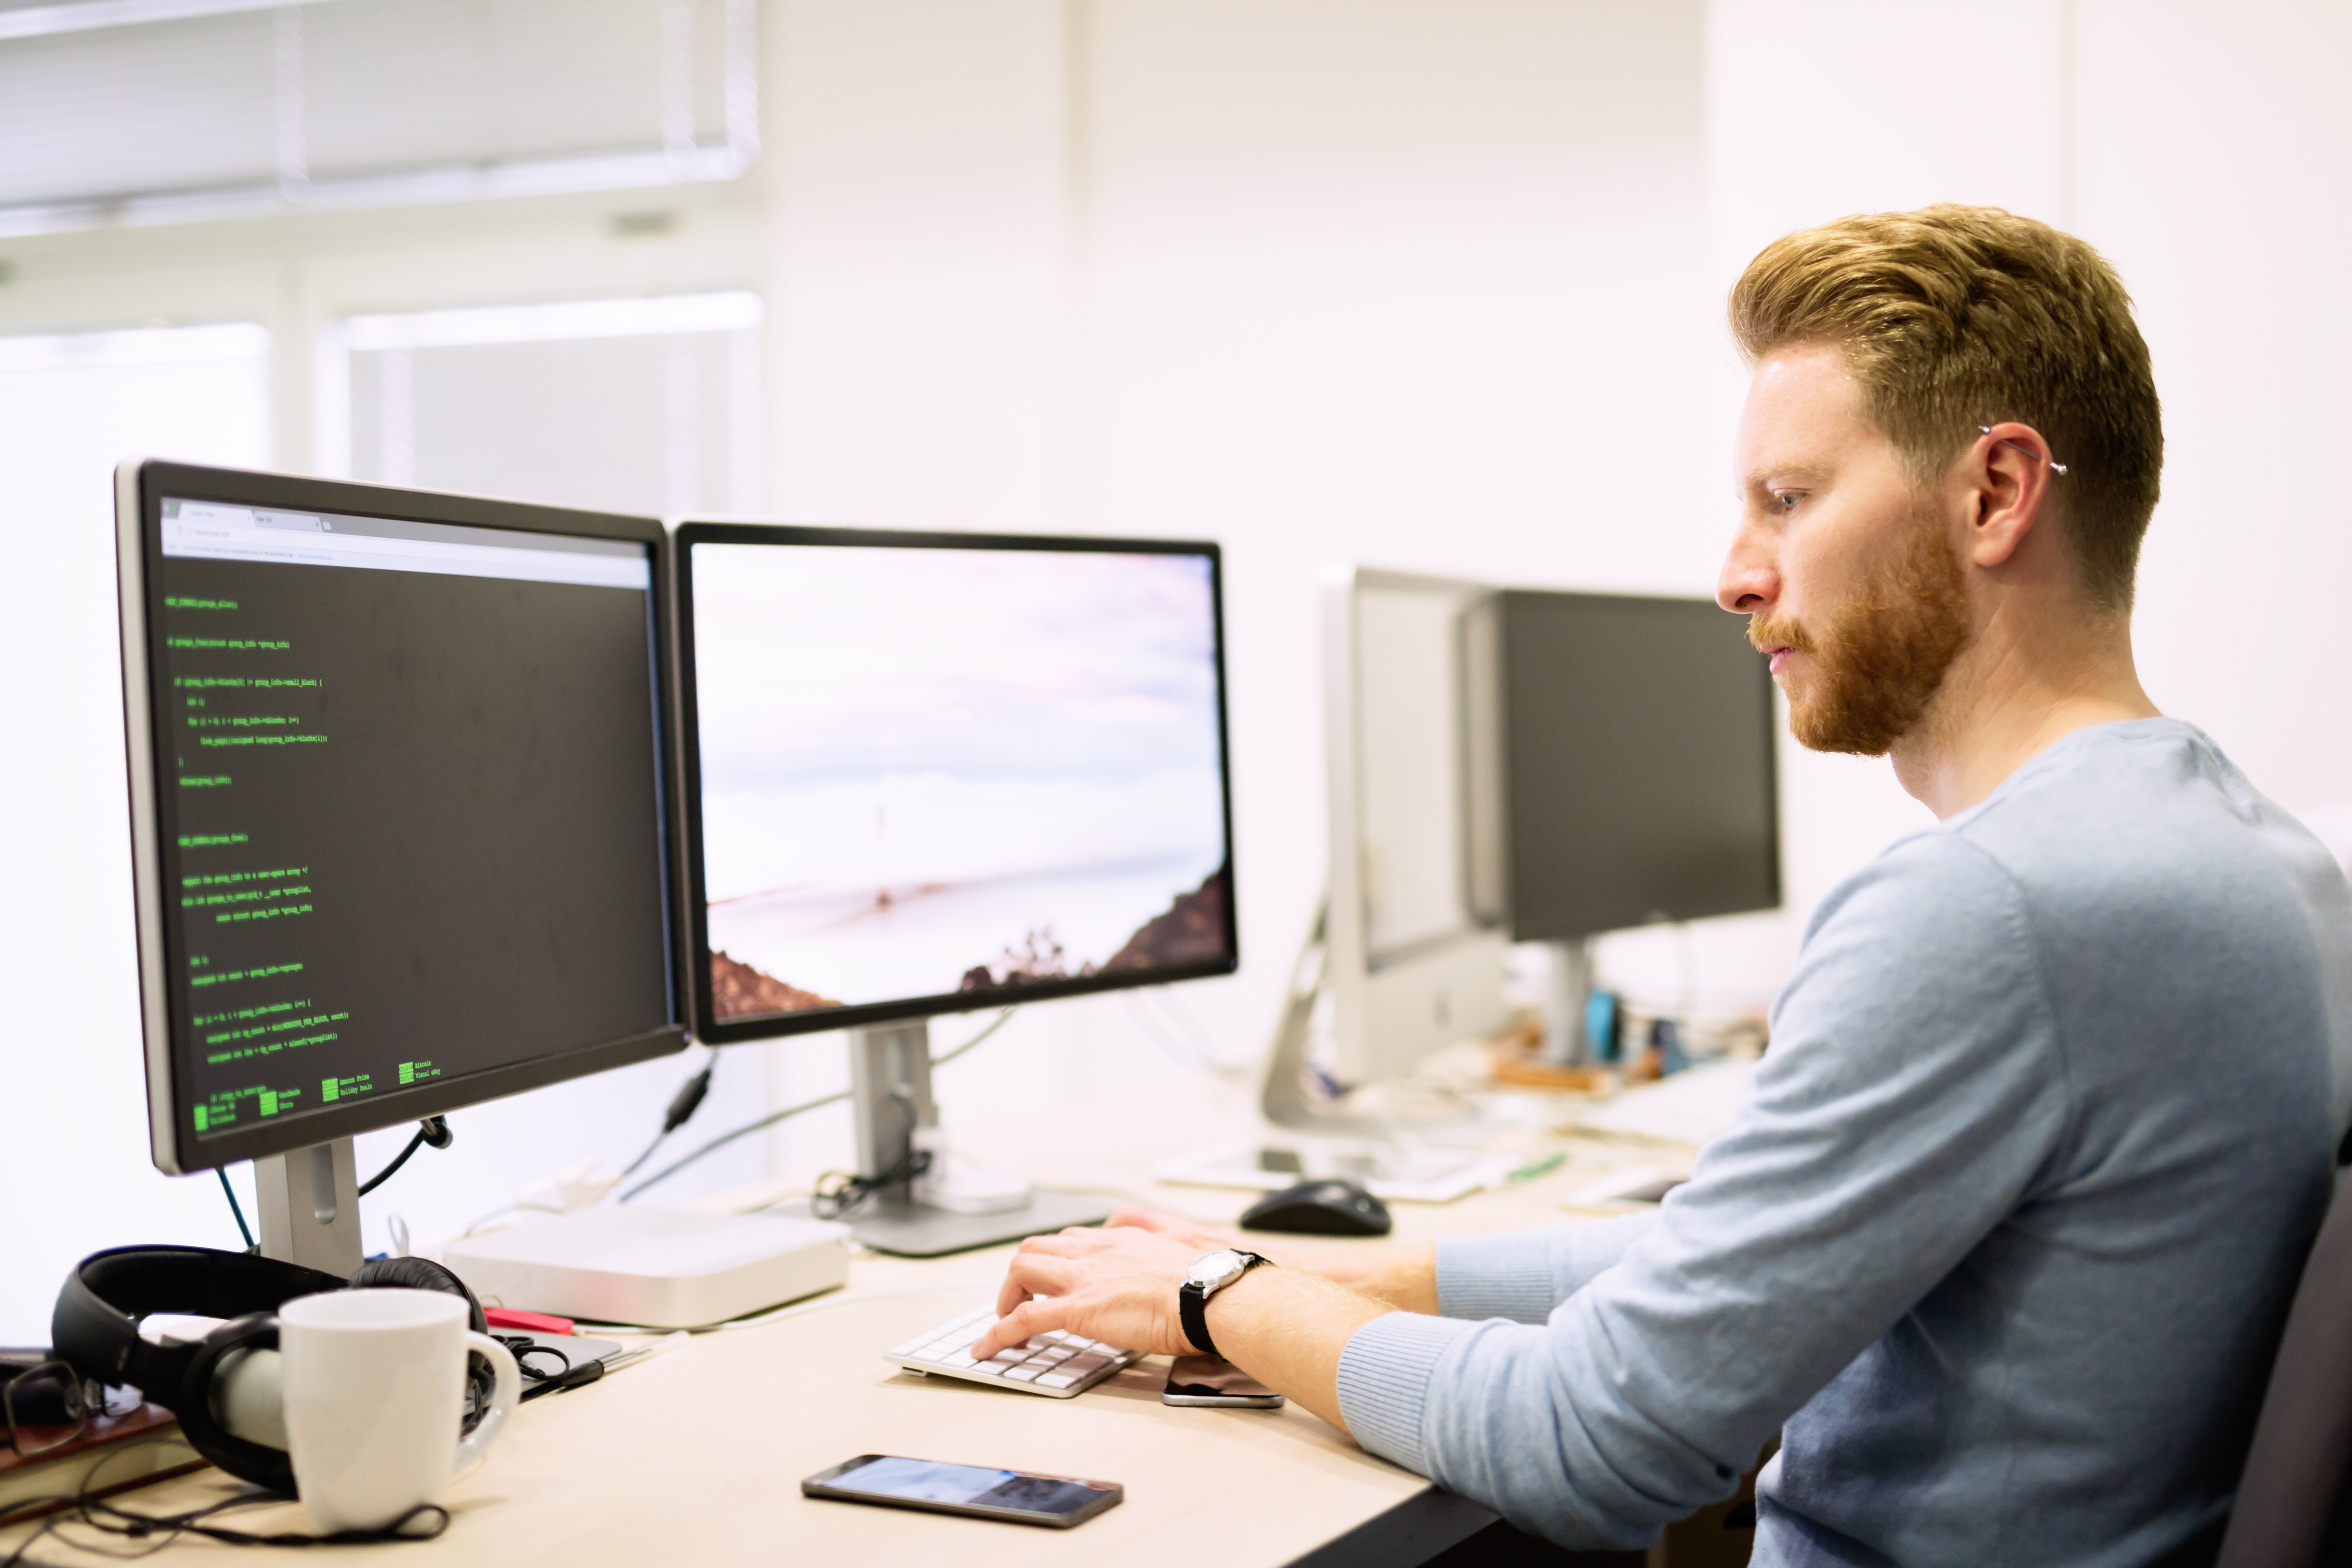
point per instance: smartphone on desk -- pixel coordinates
(1206, 1380)
(1021, 1495)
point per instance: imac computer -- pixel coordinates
(400, 816)
(1414, 963)
(933, 773)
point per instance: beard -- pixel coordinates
(1883, 654)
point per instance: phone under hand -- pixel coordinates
(1022, 1496)
(1206, 1380)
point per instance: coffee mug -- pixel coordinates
(375, 1384)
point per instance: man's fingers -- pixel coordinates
(1040, 1274)
(1034, 1316)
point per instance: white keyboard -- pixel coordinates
(1058, 1366)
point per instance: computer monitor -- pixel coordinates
(401, 821)
(930, 772)
(1623, 771)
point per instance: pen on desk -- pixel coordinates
(1534, 1168)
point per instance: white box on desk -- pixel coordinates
(667, 1268)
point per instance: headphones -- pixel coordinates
(96, 1331)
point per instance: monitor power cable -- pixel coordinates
(432, 1130)
(773, 1116)
(682, 1105)
(229, 1192)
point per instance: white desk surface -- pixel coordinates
(697, 1456)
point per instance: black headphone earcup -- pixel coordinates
(424, 1274)
(255, 1462)
(418, 1274)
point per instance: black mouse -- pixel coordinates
(1327, 1208)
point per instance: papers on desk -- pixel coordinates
(1691, 1107)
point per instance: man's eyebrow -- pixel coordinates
(1754, 479)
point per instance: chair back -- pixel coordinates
(2290, 1512)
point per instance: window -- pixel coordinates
(167, 111)
(647, 405)
(70, 408)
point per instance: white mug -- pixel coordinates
(375, 1384)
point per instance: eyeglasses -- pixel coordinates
(2055, 465)
(45, 1406)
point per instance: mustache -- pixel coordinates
(1764, 632)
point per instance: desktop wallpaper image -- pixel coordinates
(1007, 774)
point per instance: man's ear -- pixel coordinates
(2007, 471)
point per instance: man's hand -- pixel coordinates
(1191, 1232)
(1404, 1275)
(1118, 1285)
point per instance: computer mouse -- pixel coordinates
(1327, 1208)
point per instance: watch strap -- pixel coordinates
(1192, 1305)
(1192, 1311)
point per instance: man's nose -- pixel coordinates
(1750, 580)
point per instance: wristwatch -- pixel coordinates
(1211, 1272)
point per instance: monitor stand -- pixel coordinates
(309, 1201)
(1395, 1155)
(1568, 1003)
(926, 1217)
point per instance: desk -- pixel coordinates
(697, 1457)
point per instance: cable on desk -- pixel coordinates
(763, 1123)
(144, 1534)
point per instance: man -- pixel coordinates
(2002, 1245)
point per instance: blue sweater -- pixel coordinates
(2002, 1245)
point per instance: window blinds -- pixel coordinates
(162, 110)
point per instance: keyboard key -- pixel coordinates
(958, 1359)
(1058, 1354)
(985, 1369)
(1090, 1362)
(1056, 1379)
(909, 1348)
(1021, 1374)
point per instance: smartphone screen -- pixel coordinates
(1206, 1380)
(976, 1489)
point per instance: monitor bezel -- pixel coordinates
(140, 489)
(712, 1030)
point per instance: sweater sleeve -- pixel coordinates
(1914, 1091)
(1523, 1274)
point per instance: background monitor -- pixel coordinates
(400, 825)
(934, 772)
(1622, 752)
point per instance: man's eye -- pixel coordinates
(1784, 501)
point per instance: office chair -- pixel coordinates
(2292, 1510)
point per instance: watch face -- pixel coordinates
(1214, 1268)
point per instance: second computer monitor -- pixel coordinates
(1619, 762)
(929, 771)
